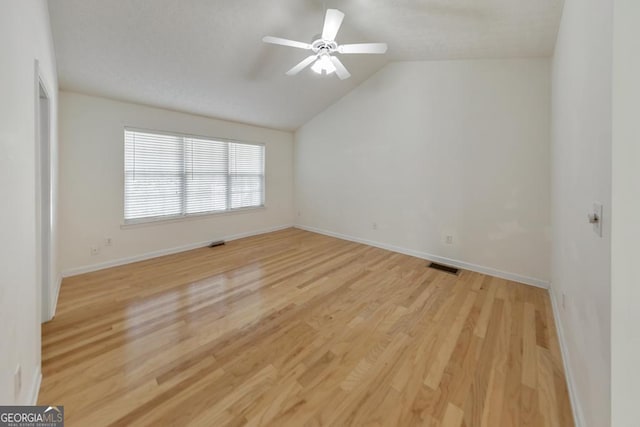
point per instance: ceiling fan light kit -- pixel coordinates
(325, 48)
(323, 64)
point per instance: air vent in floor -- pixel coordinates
(445, 268)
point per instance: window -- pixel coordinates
(172, 175)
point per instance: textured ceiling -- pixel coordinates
(206, 57)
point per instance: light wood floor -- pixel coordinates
(294, 328)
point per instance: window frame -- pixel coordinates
(126, 223)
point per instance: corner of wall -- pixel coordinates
(531, 281)
(569, 375)
(35, 387)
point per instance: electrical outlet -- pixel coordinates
(94, 250)
(299, 213)
(17, 382)
(108, 241)
(448, 240)
(374, 226)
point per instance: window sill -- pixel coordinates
(160, 221)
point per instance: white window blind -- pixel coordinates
(172, 175)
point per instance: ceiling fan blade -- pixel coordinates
(363, 48)
(302, 65)
(341, 71)
(286, 42)
(332, 21)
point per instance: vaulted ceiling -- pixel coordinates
(206, 57)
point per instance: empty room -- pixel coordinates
(320, 213)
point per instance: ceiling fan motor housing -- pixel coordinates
(324, 46)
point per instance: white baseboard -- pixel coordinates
(575, 403)
(35, 387)
(128, 260)
(418, 254)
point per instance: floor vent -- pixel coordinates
(444, 268)
(216, 243)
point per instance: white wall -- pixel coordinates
(581, 175)
(25, 36)
(429, 149)
(625, 234)
(92, 181)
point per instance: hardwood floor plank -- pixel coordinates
(529, 353)
(436, 370)
(476, 397)
(511, 410)
(546, 390)
(453, 416)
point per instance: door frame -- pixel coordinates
(44, 195)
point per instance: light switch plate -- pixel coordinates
(597, 227)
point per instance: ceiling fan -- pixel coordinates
(325, 47)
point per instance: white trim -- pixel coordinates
(160, 220)
(54, 300)
(168, 251)
(573, 396)
(35, 387)
(539, 283)
(43, 155)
